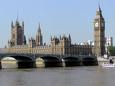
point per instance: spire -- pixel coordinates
(17, 22)
(39, 28)
(51, 38)
(22, 23)
(99, 8)
(12, 24)
(39, 38)
(99, 12)
(69, 37)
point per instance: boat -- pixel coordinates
(108, 65)
(111, 64)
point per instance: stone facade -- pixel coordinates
(58, 46)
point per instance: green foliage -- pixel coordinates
(111, 50)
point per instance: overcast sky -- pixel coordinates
(57, 17)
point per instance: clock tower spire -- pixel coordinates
(99, 33)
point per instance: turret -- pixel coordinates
(55, 41)
(17, 33)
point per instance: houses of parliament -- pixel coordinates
(58, 45)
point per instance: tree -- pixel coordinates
(111, 50)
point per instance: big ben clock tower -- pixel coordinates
(99, 33)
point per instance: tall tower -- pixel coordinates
(17, 34)
(99, 33)
(39, 39)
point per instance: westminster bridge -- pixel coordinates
(26, 60)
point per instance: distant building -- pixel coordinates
(109, 41)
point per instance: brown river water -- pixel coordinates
(60, 76)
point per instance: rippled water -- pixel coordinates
(69, 76)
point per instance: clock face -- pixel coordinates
(96, 24)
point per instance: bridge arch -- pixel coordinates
(9, 62)
(49, 61)
(72, 61)
(89, 61)
(39, 62)
(22, 60)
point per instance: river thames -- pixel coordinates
(60, 76)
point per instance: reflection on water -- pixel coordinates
(68, 76)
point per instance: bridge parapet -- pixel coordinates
(4, 50)
(32, 55)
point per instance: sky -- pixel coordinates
(57, 17)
